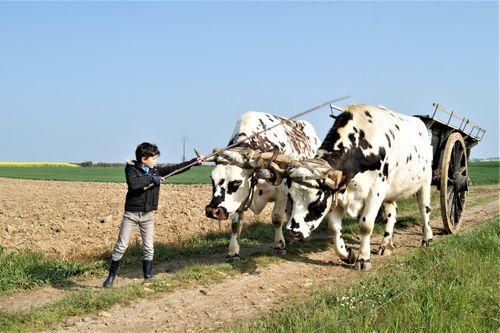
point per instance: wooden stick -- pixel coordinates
(257, 134)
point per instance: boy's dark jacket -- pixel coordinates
(138, 199)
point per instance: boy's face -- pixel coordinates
(150, 162)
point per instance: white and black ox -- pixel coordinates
(241, 180)
(370, 158)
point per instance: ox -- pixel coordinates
(234, 183)
(370, 158)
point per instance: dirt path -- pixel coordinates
(249, 296)
(31, 299)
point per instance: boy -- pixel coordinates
(143, 180)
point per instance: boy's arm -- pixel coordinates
(171, 168)
(135, 181)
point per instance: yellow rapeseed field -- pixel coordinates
(37, 164)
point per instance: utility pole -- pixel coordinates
(184, 139)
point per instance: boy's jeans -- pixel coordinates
(146, 224)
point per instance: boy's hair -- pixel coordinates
(146, 150)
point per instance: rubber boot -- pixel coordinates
(113, 268)
(147, 269)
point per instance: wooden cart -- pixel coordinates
(452, 137)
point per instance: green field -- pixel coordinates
(196, 175)
(481, 173)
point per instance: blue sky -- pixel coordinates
(89, 81)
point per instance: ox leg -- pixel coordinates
(234, 246)
(424, 205)
(366, 223)
(335, 226)
(279, 241)
(386, 246)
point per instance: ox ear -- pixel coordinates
(333, 179)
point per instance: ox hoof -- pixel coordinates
(427, 243)
(363, 265)
(233, 257)
(279, 250)
(384, 251)
(351, 258)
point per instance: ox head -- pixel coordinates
(231, 183)
(310, 187)
(237, 172)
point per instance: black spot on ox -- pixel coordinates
(317, 208)
(333, 135)
(233, 186)
(385, 171)
(289, 204)
(262, 124)
(218, 199)
(362, 140)
(388, 140)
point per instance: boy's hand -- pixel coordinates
(156, 180)
(196, 160)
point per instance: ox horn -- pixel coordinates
(333, 179)
(205, 159)
(212, 157)
(278, 172)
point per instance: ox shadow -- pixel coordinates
(210, 249)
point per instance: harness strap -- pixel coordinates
(244, 206)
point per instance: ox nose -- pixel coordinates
(293, 236)
(217, 213)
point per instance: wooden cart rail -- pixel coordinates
(457, 122)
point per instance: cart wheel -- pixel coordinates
(454, 182)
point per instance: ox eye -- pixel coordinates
(233, 186)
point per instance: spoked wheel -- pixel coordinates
(454, 182)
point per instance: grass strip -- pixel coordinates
(451, 287)
(92, 301)
(28, 269)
